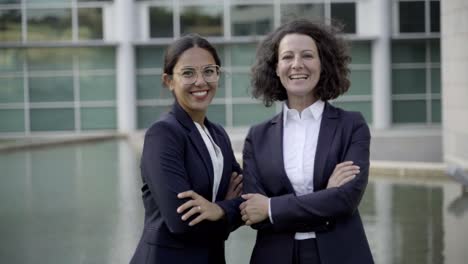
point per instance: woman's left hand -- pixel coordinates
(205, 209)
(254, 209)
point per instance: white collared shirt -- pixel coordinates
(216, 156)
(300, 137)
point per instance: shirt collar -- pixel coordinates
(314, 111)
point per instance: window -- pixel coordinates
(204, 20)
(309, 11)
(416, 81)
(49, 24)
(345, 13)
(414, 19)
(251, 20)
(161, 25)
(10, 25)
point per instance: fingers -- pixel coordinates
(192, 211)
(347, 179)
(186, 206)
(188, 194)
(197, 220)
(247, 196)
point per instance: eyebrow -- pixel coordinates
(203, 66)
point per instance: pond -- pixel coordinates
(81, 204)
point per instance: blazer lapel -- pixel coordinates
(325, 139)
(227, 166)
(277, 161)
(195, 138)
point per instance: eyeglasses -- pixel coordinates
(210, 74)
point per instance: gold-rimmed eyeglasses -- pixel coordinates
(210, 74)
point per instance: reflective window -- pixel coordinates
(412, 17)
(10, 1)
(96, 58)
(345, 13)
(150, 87)
(436, 111)
(243, 54)
(360, 53)
(364, 107)
(49, 24)
(51, 89)
(204, 20)
(310, 11)
(217, 114)
(12, 120)
(409, 111)
(52, 119)
(435, 80)
(161, 22)
(149, 57)
(248, 114)
(10, 25)
(361, 82)
(11, 60)
(97, 88)
(409, 81)
(147, 115)
(98, 118)
(90, 23)
(47, 59)
(251, 20)
(435, 16)
(408, 51)
(11, 90)
(241, 85)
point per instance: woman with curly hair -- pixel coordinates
(305, 169)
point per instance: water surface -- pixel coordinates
(81, 204)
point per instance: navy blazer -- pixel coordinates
(175, 159)
(331, 213)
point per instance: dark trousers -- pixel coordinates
(306, 252)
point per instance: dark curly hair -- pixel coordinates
(334, 58)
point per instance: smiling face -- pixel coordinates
(298, 67)
(193, 98)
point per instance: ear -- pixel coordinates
(167, 80)
(276, 70)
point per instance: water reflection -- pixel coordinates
(81, 204)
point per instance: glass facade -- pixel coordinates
(58, 59)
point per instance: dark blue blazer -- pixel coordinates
(331, 213)
(175, 159)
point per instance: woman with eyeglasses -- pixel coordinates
(191, 179)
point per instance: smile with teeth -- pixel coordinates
(298, 76)
(199, 93)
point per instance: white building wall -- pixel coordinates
(454, 39)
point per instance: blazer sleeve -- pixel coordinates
(162, 165)
(334, 202)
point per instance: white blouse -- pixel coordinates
(216, 156)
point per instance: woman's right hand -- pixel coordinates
(235, 186)
(343, 173)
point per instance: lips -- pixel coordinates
(298, 76)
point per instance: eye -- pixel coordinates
(308, 55)
(287, 57)
(209, 71)
(188, 73)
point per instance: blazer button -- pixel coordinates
(327, 223)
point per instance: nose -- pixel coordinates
(200, 80)
(297, 63)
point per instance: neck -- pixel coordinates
(198, 117)
(300, 102)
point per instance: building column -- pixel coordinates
(126, 99)
(454, 67)
(381, 68)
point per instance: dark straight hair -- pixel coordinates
(175, 50)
